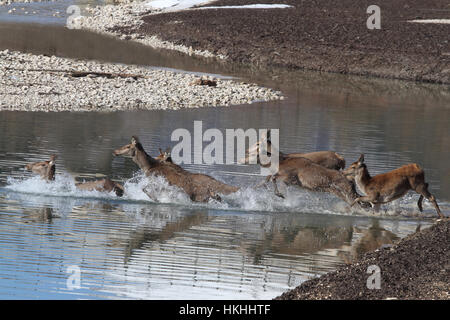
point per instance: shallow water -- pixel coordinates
(45, 12)
(252, 245)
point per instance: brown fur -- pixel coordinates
(46, 169)
(103, 185)
(327, 159)
(199, 187)
(389, 186)
(305, 173)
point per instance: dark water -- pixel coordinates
(252, 245)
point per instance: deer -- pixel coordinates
(164, 155)
(392, 185)
(102, 185)
(46, 170)
(327, 159)
(306, 173)
(199, 187)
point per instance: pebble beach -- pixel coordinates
(49, 83)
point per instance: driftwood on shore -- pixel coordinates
(78, 74)
(108, 75)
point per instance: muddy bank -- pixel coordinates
(320, 35)
(48, 83)
(417, 267)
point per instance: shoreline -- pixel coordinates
(416, 267)
(291, 37)
(50, 83)
(104, 19)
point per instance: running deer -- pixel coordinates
(199, 187)
(46, 169)
(306, 173)
(102, 185)
(327, 159)
(389, 186)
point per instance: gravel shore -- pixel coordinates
(320, 35)
(417, 267)
(42, 83)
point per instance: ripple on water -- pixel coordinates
(133, 248)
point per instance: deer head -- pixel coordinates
(264, 145)
(356, 168)
(164, 155)
(128, 149)
(46, 169)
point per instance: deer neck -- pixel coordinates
(50, 174)
(143, 160)
(362, 179)
(271, 149)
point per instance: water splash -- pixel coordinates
(157, 190)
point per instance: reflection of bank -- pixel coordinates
(368, 240)
(219, 255)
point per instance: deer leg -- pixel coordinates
(214, 196)
(277, 192)
(376, 207)
(371, 199)
(340, 194)
(265, 181)
(150, 195)
(419, 203)
(422, 189)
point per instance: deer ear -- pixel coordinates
(53, 158)
(168, 150)
(134, 140)
(263, 136)
(160, 152)
(361, 158)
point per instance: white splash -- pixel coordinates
(157, 190)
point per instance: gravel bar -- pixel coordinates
(48, 83)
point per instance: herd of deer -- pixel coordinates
(322, 171)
